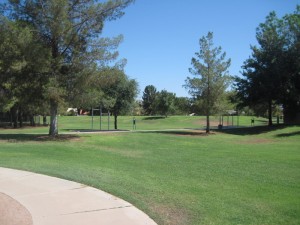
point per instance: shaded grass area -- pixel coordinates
(255, 130)
(36, 137)
(243, 176)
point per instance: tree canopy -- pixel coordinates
(70, 31)
(210, 69)
(272, 74)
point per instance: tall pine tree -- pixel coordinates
(210, 69)
(71, 30)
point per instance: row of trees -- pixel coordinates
(270, 77)
(167, 103)
(164, 103)
(52, 52)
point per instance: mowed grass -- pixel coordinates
(67, 123)
(240, 176)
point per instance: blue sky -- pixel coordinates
(161, 36)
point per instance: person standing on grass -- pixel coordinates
(134, 123)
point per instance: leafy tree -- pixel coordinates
(71, 30)
(271, 75)
(182, 105)
(211, 70)
(290, 80)
(165, 103)
(149, 96)
(119, 92)
(20, 73)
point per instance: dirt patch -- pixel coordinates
(256, 141)
(12, 212)
(202, 122)
(171, 215)
(196, 133)
(62, 137)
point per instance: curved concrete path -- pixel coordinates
(53, 201)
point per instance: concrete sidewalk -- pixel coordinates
(53, 201)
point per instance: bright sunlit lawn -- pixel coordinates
(241, 176)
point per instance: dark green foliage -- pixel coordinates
(149, 97)
(164, 103)
(272, 74)
(23, 64)
(119, 92)
(182, 105)
(70, 30)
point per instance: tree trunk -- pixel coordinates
(21, 118)
(53, 130)
(291, 115)
(208, 100)
(14, 113)
(116, 121)
(208, 112)
(207, 124)
(270, 113)
(32, 122)
(44, 120)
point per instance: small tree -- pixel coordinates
(120, 91)
(212, 79)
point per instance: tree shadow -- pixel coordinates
(288, 134)
(154, 118)
(181, 132)
(15, 138)
(255, 130)
(92, 130)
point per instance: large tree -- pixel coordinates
(71, 30)
(23, 62)
(210, 68)
(272, 74)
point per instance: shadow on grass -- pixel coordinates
(154, 118)
(181, 132)
(255, 130)
(14, 138)
(289, 134)
(92, 130)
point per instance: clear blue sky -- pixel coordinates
(161, 36)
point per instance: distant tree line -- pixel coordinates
(163, 103)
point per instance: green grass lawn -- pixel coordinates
(241, 176)
(67, 123)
